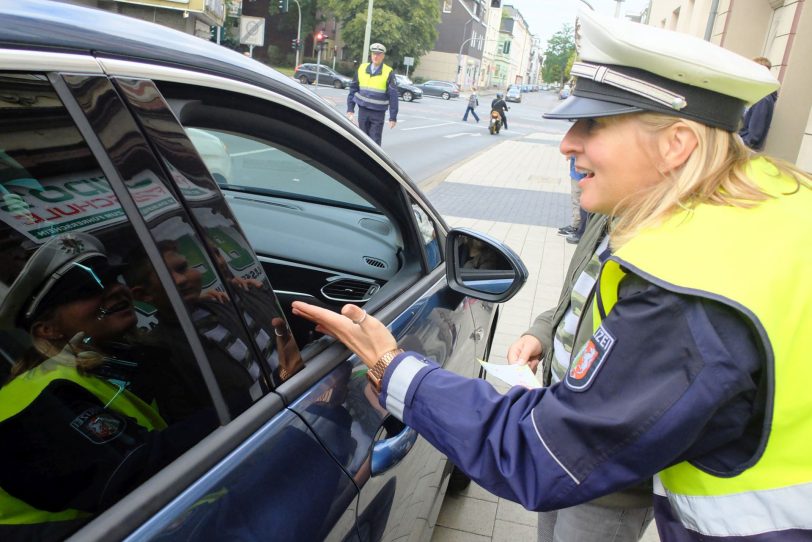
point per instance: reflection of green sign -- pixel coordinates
(197, 259)
(236, 256)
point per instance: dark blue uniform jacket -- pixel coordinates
(681, 379)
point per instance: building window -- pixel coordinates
(506, 48)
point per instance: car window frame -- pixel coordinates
(140, 505)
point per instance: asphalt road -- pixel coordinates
(431, 137)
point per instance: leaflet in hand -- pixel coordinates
(513, 375)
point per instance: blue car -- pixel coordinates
(164, 201)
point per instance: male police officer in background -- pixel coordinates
(374, 89)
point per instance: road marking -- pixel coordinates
(429, 126)
(449, 136)
(246, 153)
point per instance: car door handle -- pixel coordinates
(388, 452)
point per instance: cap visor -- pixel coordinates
(577, 107)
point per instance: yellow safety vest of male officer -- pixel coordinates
(18, 394)
(372, 93)
(742, 264)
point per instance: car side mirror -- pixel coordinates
(482, 267)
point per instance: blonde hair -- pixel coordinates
(713, 174)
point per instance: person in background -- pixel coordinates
(757, 119)
(695, 374)
(374, 89)
(473, 102)
(500, 105)
(576, 228)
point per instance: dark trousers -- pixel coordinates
(504, 119)
(470, 109)
(371, 123)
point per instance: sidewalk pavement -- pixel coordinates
(519, 193)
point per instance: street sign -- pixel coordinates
(252, 30)
(408, 61)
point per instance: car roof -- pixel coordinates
(66, 28)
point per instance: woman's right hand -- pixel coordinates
(526, 350)
(363, 334)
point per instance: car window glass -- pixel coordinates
(237, 161)
(304, 209)
(93, 398)
(250, 347)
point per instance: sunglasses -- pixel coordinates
(81, 280)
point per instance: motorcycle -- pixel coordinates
(496, 122)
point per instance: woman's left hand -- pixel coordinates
(363, 334)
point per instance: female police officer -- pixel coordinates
(75, 438)
(695, 373)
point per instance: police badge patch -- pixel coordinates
(99, 425)
(589, 360)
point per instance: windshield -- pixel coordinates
(402, 79)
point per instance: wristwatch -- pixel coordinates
(375, 375)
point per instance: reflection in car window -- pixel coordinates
(92, 400)
(428, 232)
(246, 348)
(254, 164)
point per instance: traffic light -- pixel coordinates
(321, 37)
(295, 44)
(283, 6)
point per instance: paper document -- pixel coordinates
(514, 375)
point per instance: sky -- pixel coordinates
(546, 17)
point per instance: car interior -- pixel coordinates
(326, 228)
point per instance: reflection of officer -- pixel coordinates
(695, 374)
(374, 90)
(73, 443)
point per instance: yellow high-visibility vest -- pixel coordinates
(757, 261)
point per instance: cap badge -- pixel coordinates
(71, 245)
(608, 76)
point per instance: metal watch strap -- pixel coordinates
(375, 375)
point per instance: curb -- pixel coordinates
(438, 178)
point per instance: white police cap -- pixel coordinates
(377, 48)
(625, 67)
(43, 269)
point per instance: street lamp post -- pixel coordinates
(459, 77)
(367, 32)
(298, 33)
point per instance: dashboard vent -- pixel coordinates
(375, 262)
(349, 290)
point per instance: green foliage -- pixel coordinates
(557, 55)
(405, 28)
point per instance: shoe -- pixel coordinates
(566, 230)
(573, 239)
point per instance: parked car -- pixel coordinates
(407, 90)
(306, 74)
(513, 94)
(209, 412)
(444, 89)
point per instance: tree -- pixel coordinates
(405, 28)
(557, 55)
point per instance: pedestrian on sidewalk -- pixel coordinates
(473, 102)
(695, 373)
(757, 119)
(374, 89)
(575, 229)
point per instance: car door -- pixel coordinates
(82, 157)
(332, 224)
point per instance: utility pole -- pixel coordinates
(298, 33)
(367, 33)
